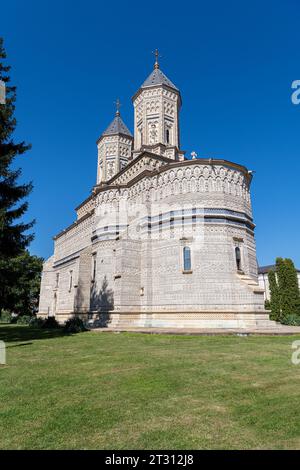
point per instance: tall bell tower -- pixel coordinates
(157, 105)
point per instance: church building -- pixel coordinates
(162, 240)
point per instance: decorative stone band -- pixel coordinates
(67, 259)
(176, 219)
(109, 232)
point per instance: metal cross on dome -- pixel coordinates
(157, 55)
(118, 106)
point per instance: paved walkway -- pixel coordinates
(279, 330)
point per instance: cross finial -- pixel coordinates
(157, 55)
(118, 106)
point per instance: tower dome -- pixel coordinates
(114, 148)
(117, 127)
(157, 105)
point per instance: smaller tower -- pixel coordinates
(114, 148)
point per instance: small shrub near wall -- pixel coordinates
(267, 305)
(74, 325)
(5, 316)
(36, 322)
(23, 320)
(50, 323)
(292, 319)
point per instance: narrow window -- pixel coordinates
(57, 280)
(187, 265)
(94, 268)
(141, 137)
(238, 258)
(167, 136)
(70, 280)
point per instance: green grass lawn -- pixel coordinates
(136, 391)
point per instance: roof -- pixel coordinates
(270, 267)
(117, 126)
(157, 77)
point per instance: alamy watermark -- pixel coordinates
(2, 353)
(2, 92)
(295, 96)
(296, 354)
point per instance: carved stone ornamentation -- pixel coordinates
(161, 241)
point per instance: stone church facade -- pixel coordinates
(162, 241)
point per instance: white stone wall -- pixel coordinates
(102, 287)
(137, 235)
(47, 288)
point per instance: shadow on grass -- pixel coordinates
(19, 345)
(23, 333)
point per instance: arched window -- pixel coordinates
(238, 258)
(187, 264)
(167, 136)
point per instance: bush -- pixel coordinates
(292, 319)
(36, 322)
(267, 305)
(50, 323)
(5, 316)
(74, 325)
(23, 320)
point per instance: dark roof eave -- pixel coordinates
(67, 229)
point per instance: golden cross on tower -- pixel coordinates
(118, 106)
(157, 55)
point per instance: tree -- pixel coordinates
(288, 287)
(14, 236)
(282, 287)
(274, 296)
(284, 290)
(22, 292)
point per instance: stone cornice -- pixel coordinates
(85, 201)
(130, 137)
(74, 224)
(169, 165)
(166, 87)
(132, 163)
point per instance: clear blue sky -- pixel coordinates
(233, 61)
